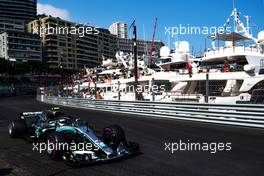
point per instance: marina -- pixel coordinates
(230, 73)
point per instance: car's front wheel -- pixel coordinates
(55, 143)
(113, 136)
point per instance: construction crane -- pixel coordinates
(152, 42)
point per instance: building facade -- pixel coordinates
(25, 10)
(15, 43)
(59, 51)
(107, 44)
(20, 46)
(119, 29)
(8, 24)
(126, 45)
(64, 49)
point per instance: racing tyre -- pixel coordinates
(16, 128)
(54, 151)
(113, 136)
(133, 147)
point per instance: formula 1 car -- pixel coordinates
(71, 139)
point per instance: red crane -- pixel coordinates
(152, 42)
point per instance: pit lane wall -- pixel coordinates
(247, 115)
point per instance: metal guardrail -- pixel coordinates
(19, 90)
(241, 114)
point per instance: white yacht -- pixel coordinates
(235, 70)
(231, 73)
(115, 80)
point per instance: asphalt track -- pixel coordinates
(245, 158)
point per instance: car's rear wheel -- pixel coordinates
(16, 128)
(113, 136)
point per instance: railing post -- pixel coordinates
(56, 92)
(67, 91)
(95, 90)
(79, 89)
(207, 86)
(152, 92)
(119, 92)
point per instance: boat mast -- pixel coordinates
(135, 58)
(152, 41)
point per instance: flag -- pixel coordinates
(89, 82)
(233, 13)
(227, 22)
(138, 75)
(188, 66)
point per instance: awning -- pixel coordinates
(233, 36)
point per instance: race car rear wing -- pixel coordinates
(30, 113)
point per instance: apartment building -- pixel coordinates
(25, 10)
(119, 29)
(66, 45)
(143, 46)
(20, 46)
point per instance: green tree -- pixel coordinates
(5, 66)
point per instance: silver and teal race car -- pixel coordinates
(72, 140)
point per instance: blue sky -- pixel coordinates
(170, 13)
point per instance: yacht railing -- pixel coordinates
(220, 68)
(238, 50)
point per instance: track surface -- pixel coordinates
(245, 158)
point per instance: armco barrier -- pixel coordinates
(243, 115)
